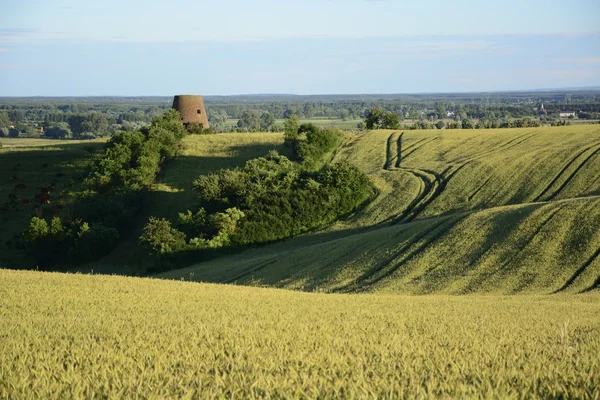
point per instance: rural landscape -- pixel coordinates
(437, 236)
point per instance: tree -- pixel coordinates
(266, 121)
(58, 131)
(13, 133)
(161, 237)
(390, 121)
(250, 121)
(372, 117)
(4, 120)
(467, 124)
(440, 124)
(291, 126)
(217, 119)
(376, 118)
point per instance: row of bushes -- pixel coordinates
(270, 198)
(111, 195)
(484, 124)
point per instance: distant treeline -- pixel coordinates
(88, 117)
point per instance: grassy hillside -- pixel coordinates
(500, 211)
(172, 192)
(32, 164)
(494, 211)
(81, 336)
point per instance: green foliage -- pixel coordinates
(278, 199)
(160, 237)
(267, 120)
(250, 121)
(310, 144)
(92, 123)
(4, 120)
(207, 231)
(77, 241)
(291, 126)
(112, 196)
(133, 158)
(58, 131)
(377, 118)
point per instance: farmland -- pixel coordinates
(492, 211)
(82, 336)
(508, 219)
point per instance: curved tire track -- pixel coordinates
(563, 170)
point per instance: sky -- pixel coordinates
(146, 48)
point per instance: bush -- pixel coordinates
(376, 118)
(160, 237)
(277, 198)
(74, 242)
(311, 144)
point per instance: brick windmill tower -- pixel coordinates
(191, 109)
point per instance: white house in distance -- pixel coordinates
(567, 114)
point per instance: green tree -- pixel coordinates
(266, 121)
(372, 117)
(390, 121)
(160, 237)
(290, 127)
(4, 120)
(250, 121)
(58, 131)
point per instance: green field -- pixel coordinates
(36, 163)
(82, 336)
(494, 211)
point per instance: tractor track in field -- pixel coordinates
(570, 177)
(474, 193)
(564, 169)
(393, 150)
(514, 255)
(418, 145)
(433, 188)
(380, 272)
(579, 271)
(252, 269)
(593, 286)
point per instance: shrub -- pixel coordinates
(160, 237)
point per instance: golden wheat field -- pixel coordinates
(82, 336)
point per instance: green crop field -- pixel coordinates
(493, 211)
(82, 336)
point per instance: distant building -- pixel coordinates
(450, 114)
(542, 110)
(191, 109)
(567, 114)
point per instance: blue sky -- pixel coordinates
(63, 47)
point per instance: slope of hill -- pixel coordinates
(27, 165)
(503, 211)
(82, 336)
